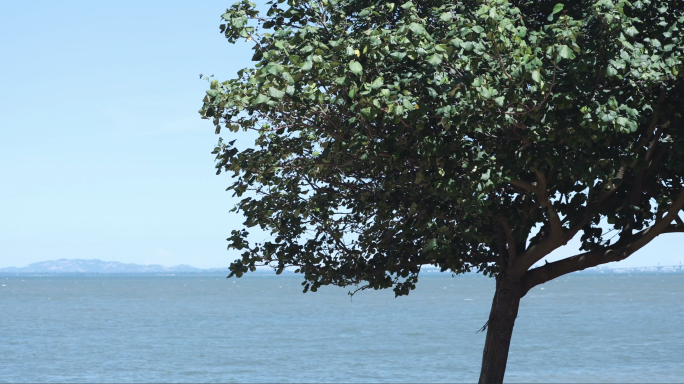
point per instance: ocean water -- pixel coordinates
(579, 328)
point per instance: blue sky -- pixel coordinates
(102, 152)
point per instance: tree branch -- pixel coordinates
(674, 228)
(529, 187)
(619, 251)
(510, 240)
(545, 201)
(556, 238)
(503, 66)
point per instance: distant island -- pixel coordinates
(94, 266)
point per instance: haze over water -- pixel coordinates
(580, 328)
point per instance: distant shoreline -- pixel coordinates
(669, 270)
(95, 267)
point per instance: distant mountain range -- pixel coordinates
(94, 266)
(99, 266)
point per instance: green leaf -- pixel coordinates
(274, 68)
(631, 31)
(517, 72)
(485, 176)
(212, 92)
(288, 78)
(611, 71)
(261, 99)
(356, 67)
(275, 93)
(521, 32)
(306, 66)
(607, 117)
(446, 16)
(565, 52)
(417, 29)
(238, 22)
(432, 244)
(435, 59)
(500, 100)
(557, 8)
(536, 76)
(368, 112)
(398, 55)
(486, 92)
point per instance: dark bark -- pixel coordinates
(500, 329)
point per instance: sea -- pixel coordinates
(262, 328)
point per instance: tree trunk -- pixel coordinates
(500, 329)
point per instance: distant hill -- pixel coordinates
(99, 266)
(95, 266)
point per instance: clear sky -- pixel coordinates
(102, 152)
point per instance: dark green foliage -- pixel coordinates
(396, 135)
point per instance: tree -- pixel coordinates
(469, 135)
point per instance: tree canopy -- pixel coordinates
(396, 135)
(470, 135)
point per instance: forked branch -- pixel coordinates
(619, 251)
(557, 236)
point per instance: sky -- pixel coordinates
(102, 152)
